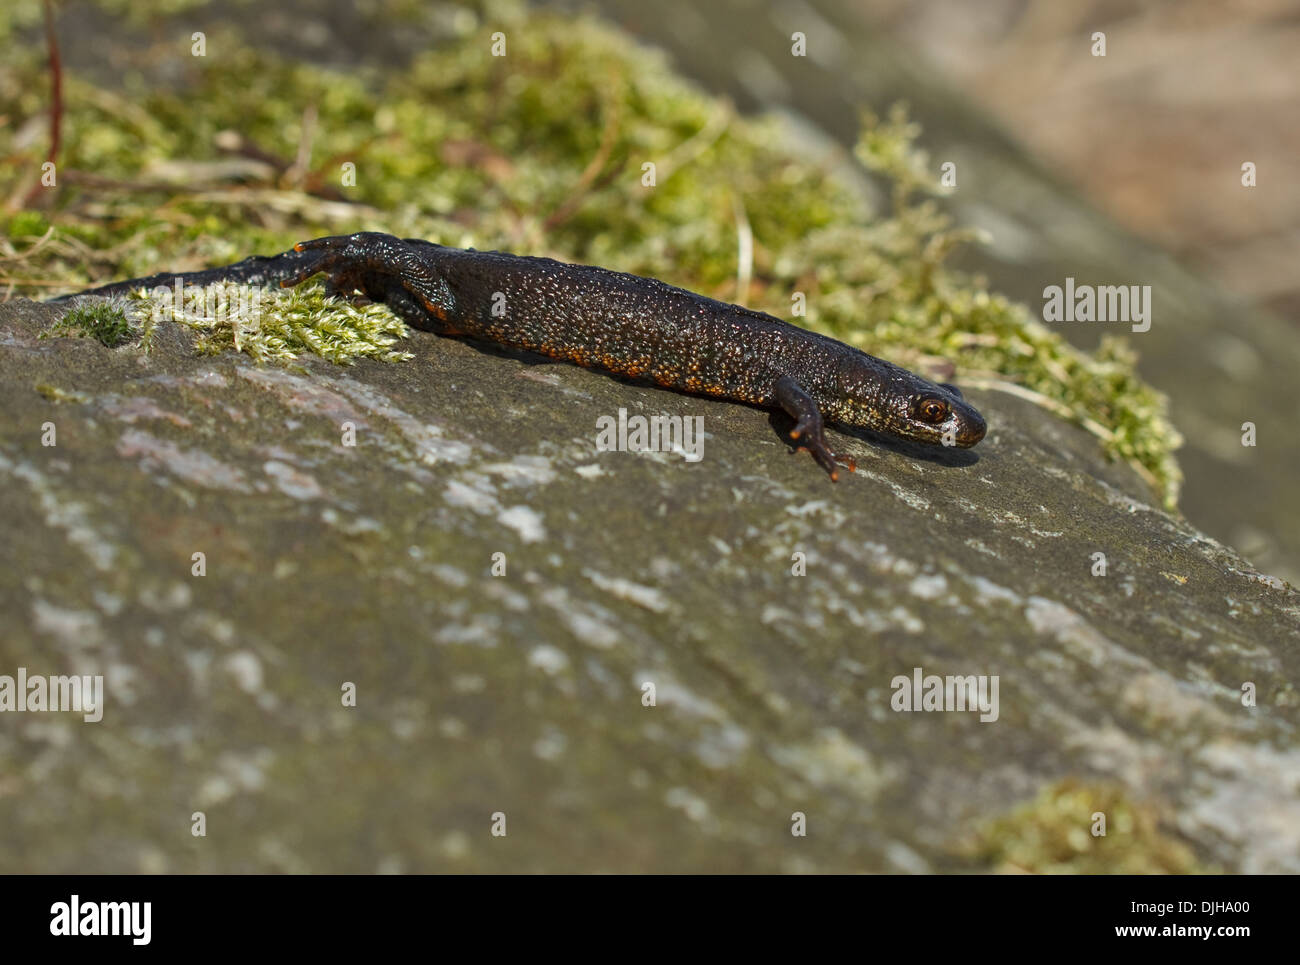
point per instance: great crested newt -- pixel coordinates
(619, 323)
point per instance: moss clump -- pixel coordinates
(104, 321)
(1053, 835)
(931, 312)
(56, 394)
(278, 325)
(544, 151)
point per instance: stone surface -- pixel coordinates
(522, 693)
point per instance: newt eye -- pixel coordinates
(932, 411)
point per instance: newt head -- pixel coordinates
(883, 397)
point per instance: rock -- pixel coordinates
(329, 567)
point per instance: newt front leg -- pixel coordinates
(808, 426)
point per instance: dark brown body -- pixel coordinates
(624, 324)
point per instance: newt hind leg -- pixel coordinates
(809, 429)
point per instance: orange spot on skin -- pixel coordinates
(437, 311)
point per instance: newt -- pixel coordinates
(620, 323)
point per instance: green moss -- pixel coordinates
(278, 325)
(997, 343)
(27, 224)
(19, 15)
(1053, 835)
(104, 321)
(56, 394)
(543, 152)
